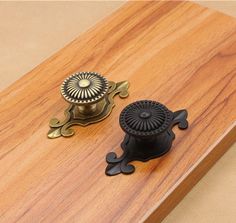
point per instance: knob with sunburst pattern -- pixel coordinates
(148, 127)
(85, 89)
(145, 118)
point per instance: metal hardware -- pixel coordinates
(91, 100)
(148, 127)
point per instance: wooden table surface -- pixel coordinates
(180, 54)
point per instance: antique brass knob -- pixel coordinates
(85, 89)
(148, 127)
(90, 96)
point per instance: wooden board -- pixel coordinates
(178, 53)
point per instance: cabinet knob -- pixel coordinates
(85, 89)
(148, 134)
(90, 96)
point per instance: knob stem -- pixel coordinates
(87, 109)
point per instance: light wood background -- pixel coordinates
(30, 32)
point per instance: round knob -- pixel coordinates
(148, 127)
(145, 119)
(84, 89)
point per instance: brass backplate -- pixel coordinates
(74, 117)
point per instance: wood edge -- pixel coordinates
(188, 180)
(89, 29)
(214, 10)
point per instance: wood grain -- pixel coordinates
(178, 53)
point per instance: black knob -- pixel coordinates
(148, 127)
